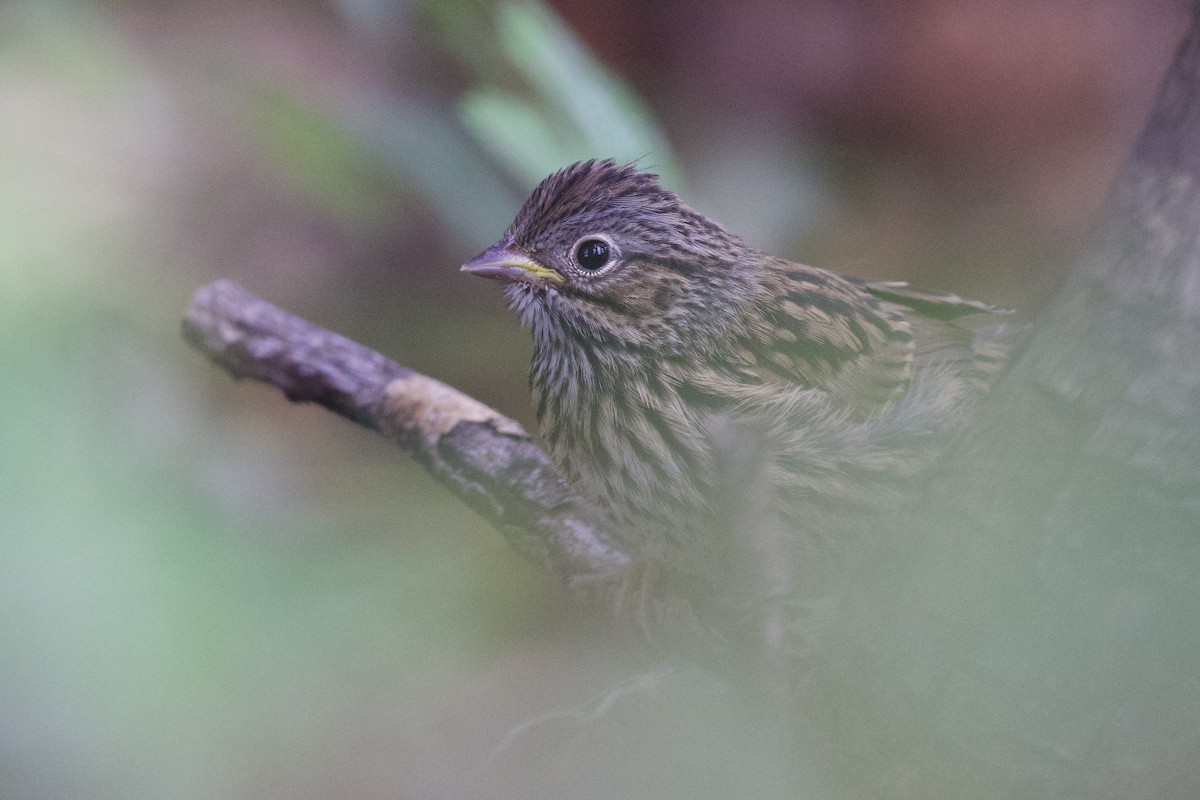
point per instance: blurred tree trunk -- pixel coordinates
(1035, 628)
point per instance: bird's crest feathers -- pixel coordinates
(589, 185)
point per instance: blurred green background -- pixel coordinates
(208, 592)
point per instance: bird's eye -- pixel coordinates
(593, 254)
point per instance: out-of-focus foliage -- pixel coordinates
(575, 109)
(203, 587)
(537, 100)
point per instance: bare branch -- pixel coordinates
(485, 458)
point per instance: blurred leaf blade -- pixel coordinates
(540, 100)
(320, 158)
(607, 116)
(516, 133)
(427, 148)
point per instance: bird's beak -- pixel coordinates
(504, 262)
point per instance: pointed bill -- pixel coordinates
(504, 262)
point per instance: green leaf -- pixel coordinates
(577, 109)
(517, 133)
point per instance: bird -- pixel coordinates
(679, 373)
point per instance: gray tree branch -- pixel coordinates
(485, 458)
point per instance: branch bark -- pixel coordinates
(485, 458)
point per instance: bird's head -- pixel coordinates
(603, 247)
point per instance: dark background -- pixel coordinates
(208, 592)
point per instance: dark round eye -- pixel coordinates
(592, 254)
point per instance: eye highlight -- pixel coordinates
(593, 254)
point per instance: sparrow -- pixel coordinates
(664, 346)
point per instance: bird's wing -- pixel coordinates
(862, 343)
(822, 331)
(928, 304)
(948, 329)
